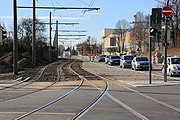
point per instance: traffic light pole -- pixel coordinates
(165, 51)
(150, 54)
(165, 46)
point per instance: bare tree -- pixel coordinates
(25, 33)
(139, 33)
(175, 20)
(122, 26)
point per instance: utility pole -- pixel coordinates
(34, 35)
(15, 45)
(57, 38)
(34, 20)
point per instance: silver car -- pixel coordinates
(126, 60)
(140, 63)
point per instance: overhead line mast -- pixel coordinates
(15, 52)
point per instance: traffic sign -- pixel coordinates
(167, 11)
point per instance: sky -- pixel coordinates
(92, 21)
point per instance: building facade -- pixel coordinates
(114, 43)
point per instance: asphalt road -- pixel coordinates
(121, 102)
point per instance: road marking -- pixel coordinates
(150, 98)
(142, 117)
(155, 100)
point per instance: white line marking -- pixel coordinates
(155, 100)
(142, 117)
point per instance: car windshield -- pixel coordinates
(128, 57)
(141, 59)
(175, 60)
(115, 57)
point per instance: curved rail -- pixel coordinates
(82, 111)
(35, 91)
(52, 102)
(98, 98)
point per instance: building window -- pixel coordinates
(112, 41)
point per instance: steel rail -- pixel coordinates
(97, 99)
(35, 91)
(79, 114)
(53, 101)
(24, 81)
(139, 93)
(139, 115)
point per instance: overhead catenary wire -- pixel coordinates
(84, 11)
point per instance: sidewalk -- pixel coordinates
(146, 83)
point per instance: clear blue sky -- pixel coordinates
(110, 12)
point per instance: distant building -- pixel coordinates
(112, 43)
(83, 49)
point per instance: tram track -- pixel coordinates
(93, 80)
(82, 74)
(28, 85)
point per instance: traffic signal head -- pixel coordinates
(4, 34)
(153, 31)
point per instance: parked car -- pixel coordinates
(114, 60)
(126, 60)
(106, 59)
(132, 52)
(140, 62)
(173, 66)
(121, 54)
(102, 58)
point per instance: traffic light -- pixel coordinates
(153, 31)
(4, 34)
(156, 17)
